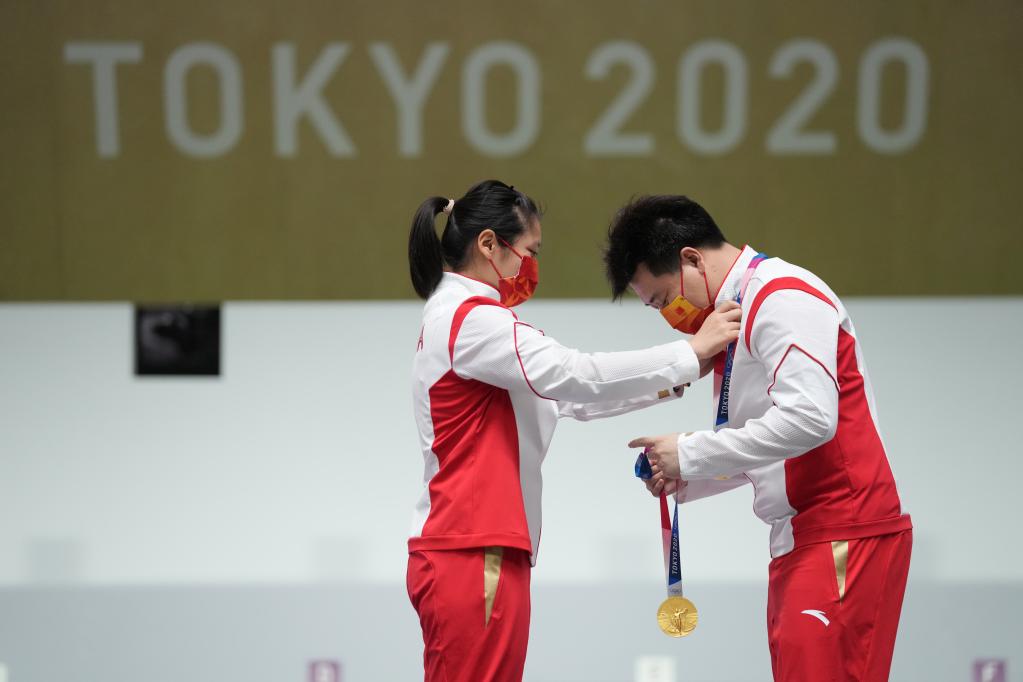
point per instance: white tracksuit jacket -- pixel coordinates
(487, 392)
(802, 426)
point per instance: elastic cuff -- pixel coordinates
(684, 466)
(688, 363)
(680, 494)
(688, 464)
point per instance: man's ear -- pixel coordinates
(692, 256)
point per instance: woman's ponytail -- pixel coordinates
(425, 259)
(488, 205)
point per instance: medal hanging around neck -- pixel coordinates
(676, 616)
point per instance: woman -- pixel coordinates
(488, 390)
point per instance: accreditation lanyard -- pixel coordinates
(723, 367)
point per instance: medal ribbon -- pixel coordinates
(723, 380)
(723, 365)
(672, 557)
(669, 534)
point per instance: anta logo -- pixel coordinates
(819, 615)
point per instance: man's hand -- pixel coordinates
(662, 451)
(719, 329)
(659, 485)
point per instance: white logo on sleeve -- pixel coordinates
(819, 615)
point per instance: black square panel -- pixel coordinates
(177, 340)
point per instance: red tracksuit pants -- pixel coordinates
(833, 609)
(473, 606)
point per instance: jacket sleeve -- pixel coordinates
(612, 408)
(492, 346)
(795, 338)
(701, 488)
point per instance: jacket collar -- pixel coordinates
(473, 286)
(733, 278)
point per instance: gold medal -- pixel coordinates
(677, 616)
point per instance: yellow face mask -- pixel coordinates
(683, 315)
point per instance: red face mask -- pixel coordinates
(683, 315)
(519, 288)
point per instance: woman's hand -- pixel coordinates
(719, 329)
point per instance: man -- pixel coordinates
(796, 419)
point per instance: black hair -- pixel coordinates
(488, 204)
(652, 230)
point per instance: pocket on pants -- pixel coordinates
(418, 578)
(493, 559)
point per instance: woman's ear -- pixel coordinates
(486, 242)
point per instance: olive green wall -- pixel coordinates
(876, 143)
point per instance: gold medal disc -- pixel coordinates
(677, 616)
